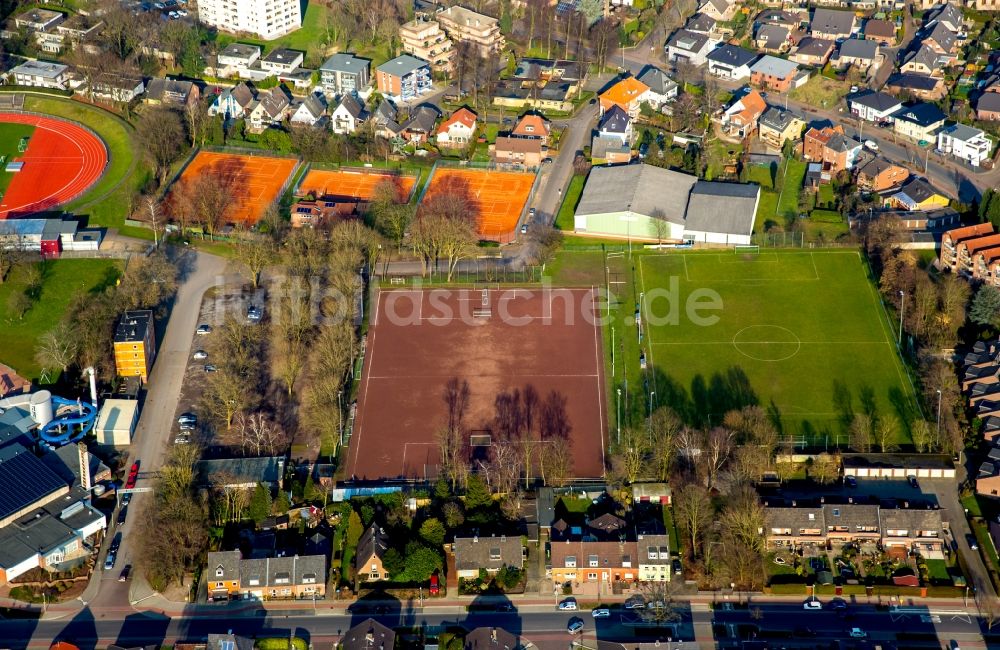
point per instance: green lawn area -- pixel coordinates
(104, 203)
(825, 195)
(10, 141)
(793, 330)
(794, 175)
(760, 174)
(719, 155)
(61, 280)
(765, 210)
(564, 220)
(820, 91)
(971, 503)
(938, 570)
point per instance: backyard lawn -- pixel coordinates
(794, 175)
(61, 280)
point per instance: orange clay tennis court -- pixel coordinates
(258, 180)
(352, 184)
(499, 197)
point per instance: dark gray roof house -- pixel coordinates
(422, 120)
(490, 638)
(731, 56)
(274, 102)
(700, 24)
(810, 46)
(922, 114)
(917, 189)
(771, 36)
(642, 189)
(944, 37)
(855, 48)
(615, 120)
(949, 15)
(369, 635)
(914, 82)
(657, 80)
(925, 56)
(373, 543)
(490, 553)
(353, 106)
(832, 22)
(875, 100)
(988, 102)
(778, 17)
(777, 118)
(169, 91)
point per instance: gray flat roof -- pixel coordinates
(402, 65)
(774, 67)
(345, 63)
(722, 207)
(41, 69)
(642, 189)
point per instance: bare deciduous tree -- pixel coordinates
(57, 348)
(257, 435)
(694, 512)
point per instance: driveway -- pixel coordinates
(556, 178)
(199, 272)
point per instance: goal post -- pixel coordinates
(746, 249)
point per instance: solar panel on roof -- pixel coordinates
(26, 479)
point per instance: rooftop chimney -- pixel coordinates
(84, 457)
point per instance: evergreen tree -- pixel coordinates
(282, 504)
(260, 504)
(985, 308)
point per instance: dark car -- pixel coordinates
(122, 515)
(973, 542)
(123, 576)
(850, 481)
(913, 481)
(116, 542)
(837, 604)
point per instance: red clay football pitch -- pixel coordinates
(499, 341)
(62, 160)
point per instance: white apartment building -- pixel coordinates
(965, 143)
(267, 19)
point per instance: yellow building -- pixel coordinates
(135, 344)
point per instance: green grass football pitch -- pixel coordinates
(802, 334)
(10, 138)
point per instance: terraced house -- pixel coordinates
(951, 239)
(897, 530)
(231, 575)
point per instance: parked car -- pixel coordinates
(913, 482)
(116, 542)
(601, 612)
(973, 542)
(858, 633)
(254, 314)
(850, 481)
(209, 367)
(837, 604)
(568, 605)
(187, 418)
(123, 576)
(435, 586)
(109, 561)
(204, 328)
(635, 602)
(575, 625)
(812, 604)
(871, 145)
(122, 515)
(524, 229)
(678, 570)
(200, 354)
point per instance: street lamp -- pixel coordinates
(902, 312)
(939, 413)
(652, 394)
(618, 401)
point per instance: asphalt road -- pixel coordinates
(150, 444)
(544, 627)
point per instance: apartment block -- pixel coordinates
(266, 19)
(404, 78)
(426, 40)
(135, 344)
(480, 30)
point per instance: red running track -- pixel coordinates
(63, 159)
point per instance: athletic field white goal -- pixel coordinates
(746, 249)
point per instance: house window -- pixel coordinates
(592, 561)
(220, 585)
(219, 572)
(592, 576)
(374, 575)
(836, 512)
(495, 554)
(254, 582)
(651, 552)
(570, 561)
